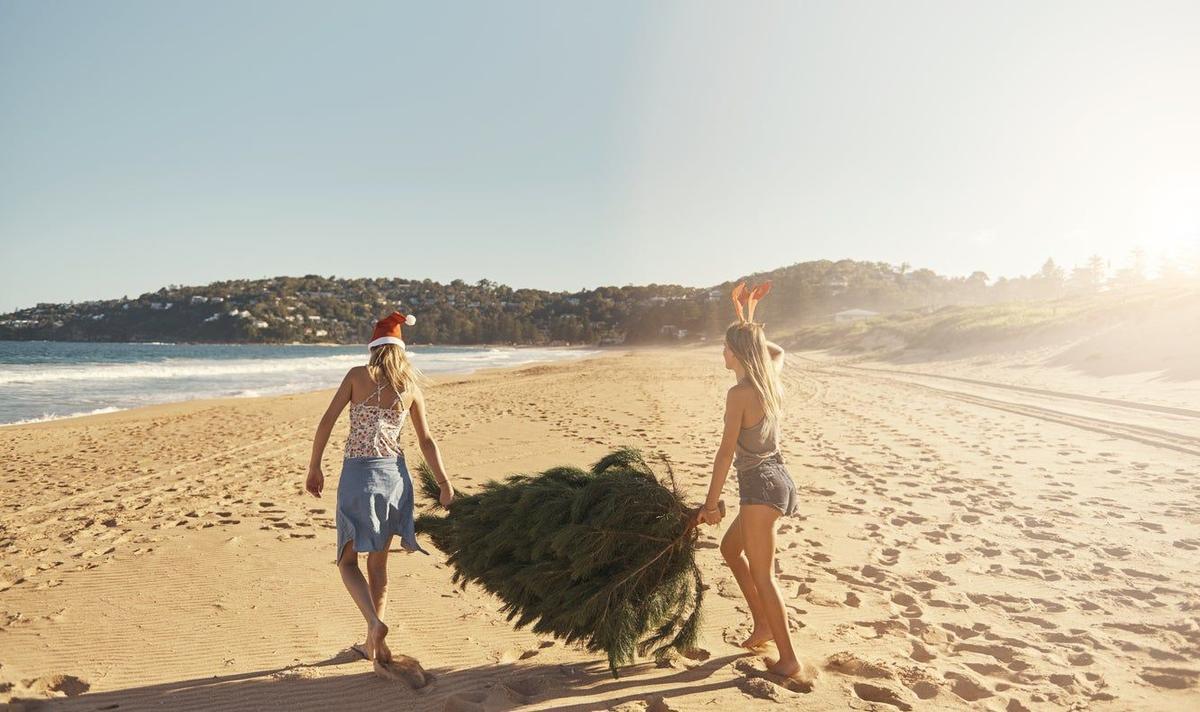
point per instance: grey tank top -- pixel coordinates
(755, 445)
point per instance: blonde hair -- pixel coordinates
(748, 343)
(391, 362)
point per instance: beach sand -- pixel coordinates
(963, 545)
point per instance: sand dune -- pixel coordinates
(965, 544)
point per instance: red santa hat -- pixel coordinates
(387, 329)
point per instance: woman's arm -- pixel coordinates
(315, 482)
(734, 406)
(429, 447)
(777, 353)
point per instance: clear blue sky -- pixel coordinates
(569, 144)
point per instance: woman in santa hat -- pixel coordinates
(375, 492)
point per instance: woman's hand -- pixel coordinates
(447, 495)
(315, 483)
(711, 516)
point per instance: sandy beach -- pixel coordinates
(970, 539)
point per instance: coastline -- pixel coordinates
(254, 392)
(167, 556)
(306, 343)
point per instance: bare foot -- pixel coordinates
(365, 648)
(758, 638)
(793, 674)
(792, 669)
(377, 649)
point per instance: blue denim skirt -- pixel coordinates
(769, 482)
(374, 502)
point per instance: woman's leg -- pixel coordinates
(357, 586)
(377, 579)
(758, 532)
(732, 546)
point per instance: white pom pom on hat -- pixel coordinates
(410, 320)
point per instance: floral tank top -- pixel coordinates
(374, 430)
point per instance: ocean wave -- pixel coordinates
(31, 393)
(54, 416)
(180, 368)
(207, 368)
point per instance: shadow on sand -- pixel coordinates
(326, 685)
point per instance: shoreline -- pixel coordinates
(480, 345)
(149, 408)
(250, 389)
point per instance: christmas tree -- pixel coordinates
(604, 557)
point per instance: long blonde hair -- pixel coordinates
(391, 362)
(749, 346)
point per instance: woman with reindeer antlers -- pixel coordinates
(750, 444)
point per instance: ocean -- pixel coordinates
(47, 380)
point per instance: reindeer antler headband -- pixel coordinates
(744, 300)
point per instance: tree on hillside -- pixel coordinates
(1089, 277)
(1050, 280)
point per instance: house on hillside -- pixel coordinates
(836, 285)
(851, 315)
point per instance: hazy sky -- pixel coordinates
(569, 144)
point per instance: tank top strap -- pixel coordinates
(376, 394)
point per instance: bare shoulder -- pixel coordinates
(740, 394)
(359, 379)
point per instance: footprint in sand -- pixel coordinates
(465, 702)
(908, 604)
(511, 655)
(521, 691)
(403, 668)
(920, 653)
(56, 685)
(967, 687)
(878, 693)
(1170, 677)
(656, 703)
(847, 663)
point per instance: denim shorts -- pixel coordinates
(769, 483)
